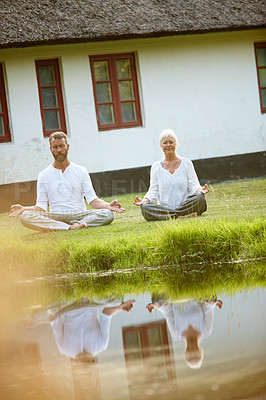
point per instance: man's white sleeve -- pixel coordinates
(42, 199)
(104, 328)
(88, 190)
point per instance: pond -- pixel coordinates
(94, 349)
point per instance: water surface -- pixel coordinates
(136, 354)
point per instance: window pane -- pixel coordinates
(101, 70)
(262, 75)
(133, 345)
(263, 97)
(49, 97)
(103, 92)
(106, 114)
(155, 341)
(51, 119)
(123, 69)
(126, 90)
(2, 131)
(261, 56)
(128, 112)
(132, 340)
(47, 75)
(0, 105)
(155, 337)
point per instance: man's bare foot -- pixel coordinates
(195, 214)
(76, 225)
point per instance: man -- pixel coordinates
(64, 185)
(81, 329)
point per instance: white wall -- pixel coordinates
(202, 86)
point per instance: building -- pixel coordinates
(113, 74)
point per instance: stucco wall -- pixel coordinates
(202, 86)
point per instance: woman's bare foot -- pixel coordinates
(76, 225)
(194, 214)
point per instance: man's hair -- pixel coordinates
(57, 135)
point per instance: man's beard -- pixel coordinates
(60, 157)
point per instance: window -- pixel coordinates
(51, 98)
(149, 359)
(145, 340)
(115, 91)
(260, 51)
(4, 121)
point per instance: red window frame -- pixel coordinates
(257, 46)
(60, 106)
(148, 359)
(142, 330)
(114, 81)
(4, 114)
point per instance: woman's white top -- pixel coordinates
(170, 190)
(180, 316)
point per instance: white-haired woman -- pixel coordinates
(174, 190)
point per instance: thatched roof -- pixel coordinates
(35, 22)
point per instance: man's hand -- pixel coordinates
(205, 189)
(116, 207)
(16, 210)
(127, 305)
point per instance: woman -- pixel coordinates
(174, 190)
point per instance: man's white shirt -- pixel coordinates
(64, 191)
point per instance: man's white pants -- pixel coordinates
(48, 221)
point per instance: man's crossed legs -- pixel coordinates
(48, 221)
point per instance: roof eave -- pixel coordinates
(145, 35)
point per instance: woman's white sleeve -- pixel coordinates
(153, 192)
(193, 182)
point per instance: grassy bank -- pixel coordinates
(171, 282)
(232, 229)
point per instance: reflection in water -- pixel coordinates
(81, 329)
(149, 360)
(189, 321)
(97, 350)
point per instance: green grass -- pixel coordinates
(170, 283)
(233, 228)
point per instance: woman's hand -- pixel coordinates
(218, 303)
(138, 201)
(150, 307)
(205, 189)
